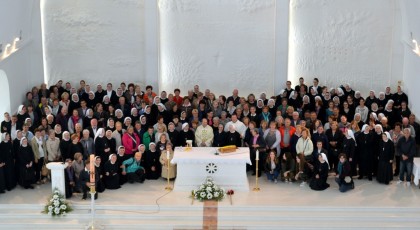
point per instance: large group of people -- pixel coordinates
(302, 134)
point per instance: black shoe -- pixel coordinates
(254, 173)
(131, 181)
(83, 198)
(360, 177)
(2, 191)
(396, 174)
(370, 178)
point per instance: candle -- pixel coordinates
(257, 155)
(167, 155)
(92, 168)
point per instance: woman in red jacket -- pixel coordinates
(130, 141)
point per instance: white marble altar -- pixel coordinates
(195, 165)
(57, 176)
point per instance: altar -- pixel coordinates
(416, 170)
(194, 165)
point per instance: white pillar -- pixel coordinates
(151, 37)
(282, 46)
(57, 176)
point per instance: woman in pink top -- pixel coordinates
(131, 141)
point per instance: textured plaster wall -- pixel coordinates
(342, 41)
(411, 73)
(220, 45)
(100, 41)
(22, 68)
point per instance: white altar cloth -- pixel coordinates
(195, 165)
(416, 170)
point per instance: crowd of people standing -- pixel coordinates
(302, 134)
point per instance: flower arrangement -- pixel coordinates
(57, 205)
(208, 190)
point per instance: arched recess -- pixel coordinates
(4, 95)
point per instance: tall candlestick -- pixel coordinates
(92, 168)
(257, 155)
(167, 155)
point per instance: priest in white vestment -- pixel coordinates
(204, 134)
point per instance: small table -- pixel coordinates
(416, 170)
(193, 166)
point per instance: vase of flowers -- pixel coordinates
(208, 190)
(57, 205)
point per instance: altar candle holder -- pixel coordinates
(168, 186)
(257, 158)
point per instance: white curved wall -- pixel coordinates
(220, 45)
(4, 94)
(342, 41)
(99, 41)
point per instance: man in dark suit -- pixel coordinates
(84, 178)
(109, 91)
(87, 143)
(100, 93)
(301, 83)
(83, 109)
(234, 97)
(296, 120)
(93, 127)
(316, 87)
(123, 106)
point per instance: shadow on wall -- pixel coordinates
(4, 95)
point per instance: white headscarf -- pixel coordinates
(306, 96)
(262, 103)
(152, 143)
(163, 106)
(20, 108)
(119, 110)
(154, 99)
(95, 161)
(110, 156)
(21, 141)
(351, 135)
(3, 137)
(364, 127)
(88, 112)
(118, 151)
(106, 96)
(388, 136)
(99, 133)
(126, 119)
(271, 100)
(77, 100)
(91, 92)
(292, 94)
(140, 146)
(380, 126)
(324, 157)
(107, 122)
(282, 91)
(132, 110)
(141, 121)
(374, 116)
(64, 134)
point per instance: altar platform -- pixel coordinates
(277, 206)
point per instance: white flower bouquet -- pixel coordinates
(208, 191)
(57, 205)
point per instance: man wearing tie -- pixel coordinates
(93, 128)
(83, 109)
(88, 145)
